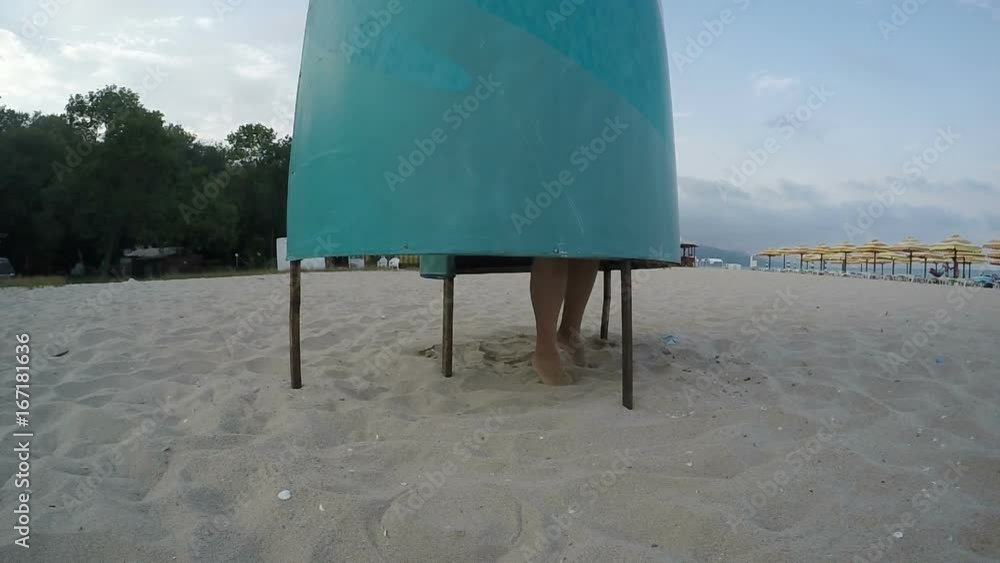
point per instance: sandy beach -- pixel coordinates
(779, 418)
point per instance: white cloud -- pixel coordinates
(987, 5)
(156, 23)
(256, 64)
(205, 23)
(24, 75)
(104, 52)
(764, 83)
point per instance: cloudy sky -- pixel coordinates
(840, 96)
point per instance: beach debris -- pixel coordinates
(689, 464)
(669, 339)
(385, 532)
(321, 509)
(897, 535)
(61, 354)
(285, 494)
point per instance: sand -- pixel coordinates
(791, 418)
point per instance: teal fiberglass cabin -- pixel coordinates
(484, 127)
(483, 131)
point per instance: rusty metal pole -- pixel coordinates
(627, 334)
(294, 340)
(606, 307)
(448, 328)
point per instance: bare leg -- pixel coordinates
(548, 288)
(579, 285)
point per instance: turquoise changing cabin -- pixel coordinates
(479, 134)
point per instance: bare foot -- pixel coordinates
(548, 367)
(573, 343)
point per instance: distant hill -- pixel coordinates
(727, 256)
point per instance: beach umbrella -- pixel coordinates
(970, 258)
(874, 247)
(992, 248)
(953, 246)
(908, 246)
(770, 253)
(822, 251)
(893, 257)
(801, 251)
(931, 257)
(844, 248)
(784, 251)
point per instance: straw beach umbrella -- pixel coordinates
(822, 251)
(801, 251)
(895, 257)
(970, 258)
(932, 257)
(844, 248)
(874, 247)
(784, 251)
(953, 246)
(908, 246)
(770, 253)
(993, 248)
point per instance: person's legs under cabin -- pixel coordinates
(548, 289)
(579, 285)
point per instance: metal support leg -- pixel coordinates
(294, 341)
(627, 334)
(448, 328)
(606, 308)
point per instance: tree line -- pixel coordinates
(110, 174)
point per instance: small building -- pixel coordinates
(153, 262)
(689, 258)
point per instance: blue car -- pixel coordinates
(985, 280)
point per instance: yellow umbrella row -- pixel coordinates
(953, 249)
